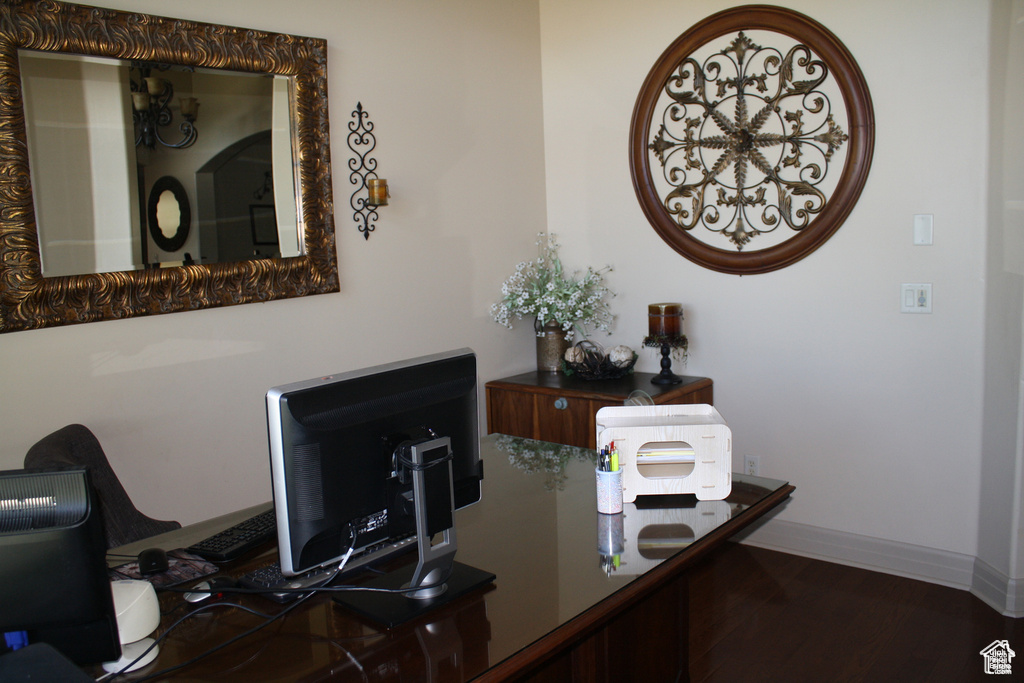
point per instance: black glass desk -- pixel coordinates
(578, 595)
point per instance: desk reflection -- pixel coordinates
(320, 642)
(433, 650)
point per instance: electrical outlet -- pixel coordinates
(916, 297)
(752, 465)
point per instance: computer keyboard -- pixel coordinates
(237, 540)
(269, 580)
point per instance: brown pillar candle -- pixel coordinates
(664, 320)
(378, 192)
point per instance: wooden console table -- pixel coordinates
(552, 407)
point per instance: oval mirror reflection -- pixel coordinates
(168, 214)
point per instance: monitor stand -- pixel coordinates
(437, 578)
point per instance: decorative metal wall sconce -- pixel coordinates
(150, 111)
(364, 173)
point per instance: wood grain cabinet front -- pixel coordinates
(553, 407)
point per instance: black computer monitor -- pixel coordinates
(53, 575)
(359, 459)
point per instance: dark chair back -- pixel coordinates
(76, 446)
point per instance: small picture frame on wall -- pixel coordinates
(263, 219)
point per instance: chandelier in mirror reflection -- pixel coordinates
(151, 111)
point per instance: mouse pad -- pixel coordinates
(182, 566)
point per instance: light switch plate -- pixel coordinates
(916, 297)
(923, 229)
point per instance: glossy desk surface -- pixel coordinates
(536, 529)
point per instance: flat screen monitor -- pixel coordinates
(54, 587)
(336, 445)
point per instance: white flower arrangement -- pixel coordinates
(541, 289)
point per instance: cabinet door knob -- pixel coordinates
(561, 404)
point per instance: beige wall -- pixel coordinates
(453, 89)
(999, 529)
(874, 415)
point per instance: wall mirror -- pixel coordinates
(245, 141)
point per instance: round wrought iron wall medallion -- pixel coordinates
(751, 139)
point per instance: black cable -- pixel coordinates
(163, 672)
(370, 589)
(410, 465)
(268, 619)
(114, 674)
(311, 589)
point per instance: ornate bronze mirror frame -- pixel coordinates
(751, 139)
(29, 300)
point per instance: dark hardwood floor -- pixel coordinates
(761, 615)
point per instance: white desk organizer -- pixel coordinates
(669, 449)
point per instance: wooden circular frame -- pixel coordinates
(861, 121)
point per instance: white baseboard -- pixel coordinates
(942, 567)
(997, 589)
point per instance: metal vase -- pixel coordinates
(551, 346)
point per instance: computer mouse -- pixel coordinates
(210, 588)
(152, 561)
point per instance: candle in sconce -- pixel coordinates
(155, 85)
(140, 100)
(379, 193)
(189, 107)
(664, 320)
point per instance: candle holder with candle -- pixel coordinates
(665, 331)
(378, 191)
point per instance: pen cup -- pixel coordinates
(609, 491)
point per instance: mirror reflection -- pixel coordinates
(95, 162)
(168, 214)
